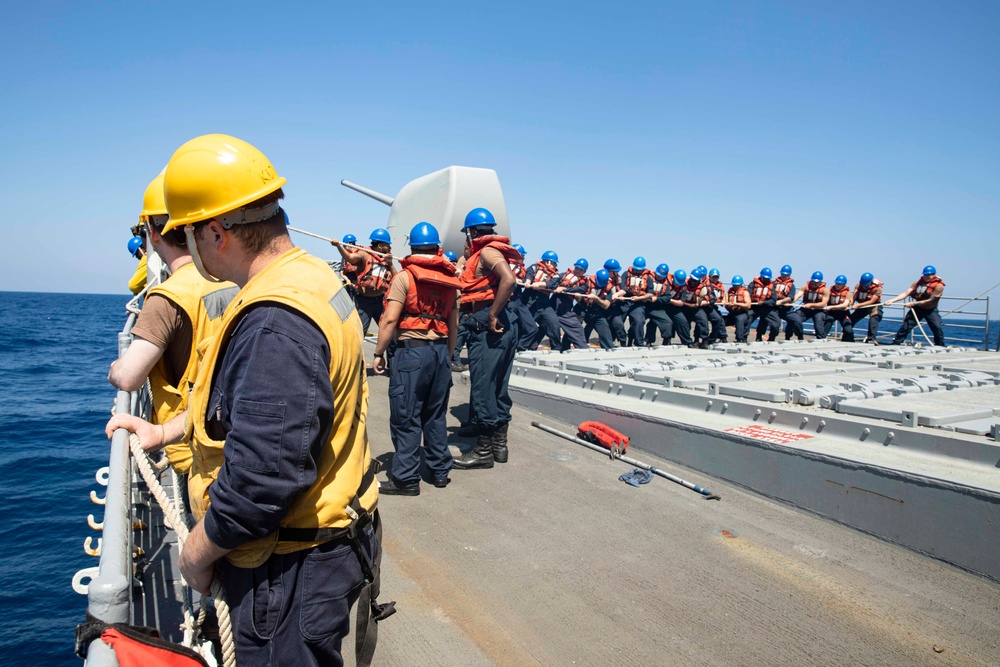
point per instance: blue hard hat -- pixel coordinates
(613, 265)
(713, 272)
(680, 276)
(702, 268)
(134, 244)
(424, 233)
(786, 270)
(452, 257)
(550, 256)
(766, 272)
(602, 277)
(698, 273)
(581, 264)
(663, 270)
(349, 238)
(817, 277)
(867, 278)
(841, 279)
(929, 270)
(477, 217)
(639, 263)
(737, 281)
(381, 236)
(520, 248)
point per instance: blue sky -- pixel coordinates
(843, 137)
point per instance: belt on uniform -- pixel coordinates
(371, 295)
(417, 342)
(475, 306)
(287, 534)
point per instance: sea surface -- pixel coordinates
(55, 350)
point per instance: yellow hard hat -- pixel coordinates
(152, 201)
(215, 174)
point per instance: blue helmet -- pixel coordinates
(477, 217)
(817, 277)
(520, 248)
(639, 263)
(581, 264)
(612, 265)
(134, 245)
(737, 280)
(424, 233)
(663, 270)
(867, 278)
(680, 276)
(713, 272)
(698, 273)
(380, 236)
(929, 270)
(841, 279)
(766, 273)
(786, 270)
(349, 238)
(550, 256)
(602, 277)
(452, 257)
(702, 268)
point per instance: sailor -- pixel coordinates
(375, 270)
(451, 257)
(865, 302)
(420, 314)
(815, 296)
(487, 286)
(596, 307)
(177, 315)
(462, 340)
(540, 279)
(784, 296)
(572, 284)
(717, 298)
(696, 297)
(926, 293)
(525, 320)
(137, 248)
(660, 290)
(281, 476)
(633, 295)
(763, 305)
(348, 271)
(838, 301)
(676, 310)
(738, 309)
(616, 313)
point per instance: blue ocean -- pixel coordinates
(55, 350)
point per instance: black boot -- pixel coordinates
(467, 430)
(499, 443)
(480, 457)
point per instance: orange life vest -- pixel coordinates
(783, 287)
(570, 279)
(431, 294)
(659, 287)
(864, 292)
(760, 291)
(718, 288)
(484, 288)
(693, 293)
(374, 275)
(925, 290)
(518, 269)
(601, 292)
(636, 282)
(543, 273)
(838, 294)
(813, 295)
(736, 293)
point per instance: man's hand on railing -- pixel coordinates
(151, 436)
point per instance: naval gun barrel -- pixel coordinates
(377, 196)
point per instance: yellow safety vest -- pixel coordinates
(203, 303)
(306, 284)
(138, 279)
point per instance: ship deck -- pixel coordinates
(551, 560)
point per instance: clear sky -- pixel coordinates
(838, 136)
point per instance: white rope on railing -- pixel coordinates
(171, 511)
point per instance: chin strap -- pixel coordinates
(195, 257)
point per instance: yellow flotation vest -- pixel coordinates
(138, 279)
(203, 303)
(309, 286)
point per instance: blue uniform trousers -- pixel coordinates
(616, 320)
(846, 326)
(793, 324)
(595, 318)
(682, 326)
(419, 386)
(571, 326)
(933, 319)
(491, 356)
(769, 320)
(548, 325)
(636, 313)
(741, 320)
(874, 316)
(461, 341)
(526, 325)
(370, 308)
(658, 319)
(719, 333)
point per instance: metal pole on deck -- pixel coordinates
(377, 196)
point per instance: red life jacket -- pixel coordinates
(692, 293)
(925, 290)
(759, 291)
(736, 293)
(718, 288)
(601, 292)
(517, 268)
(484, 288)
(543, 273)
(864, 292)
(603, 435)
(431, 294)
(659, 287)
(838, 295)
(636, 282)
(374, 275)
(783, 286)
(813, 295)
(570, 279)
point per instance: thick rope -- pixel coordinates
(170, 510)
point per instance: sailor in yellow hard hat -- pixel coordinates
(281, 478)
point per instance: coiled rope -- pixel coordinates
(170, 510)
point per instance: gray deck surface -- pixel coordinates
(550, 560)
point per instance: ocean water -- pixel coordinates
(55, 350)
